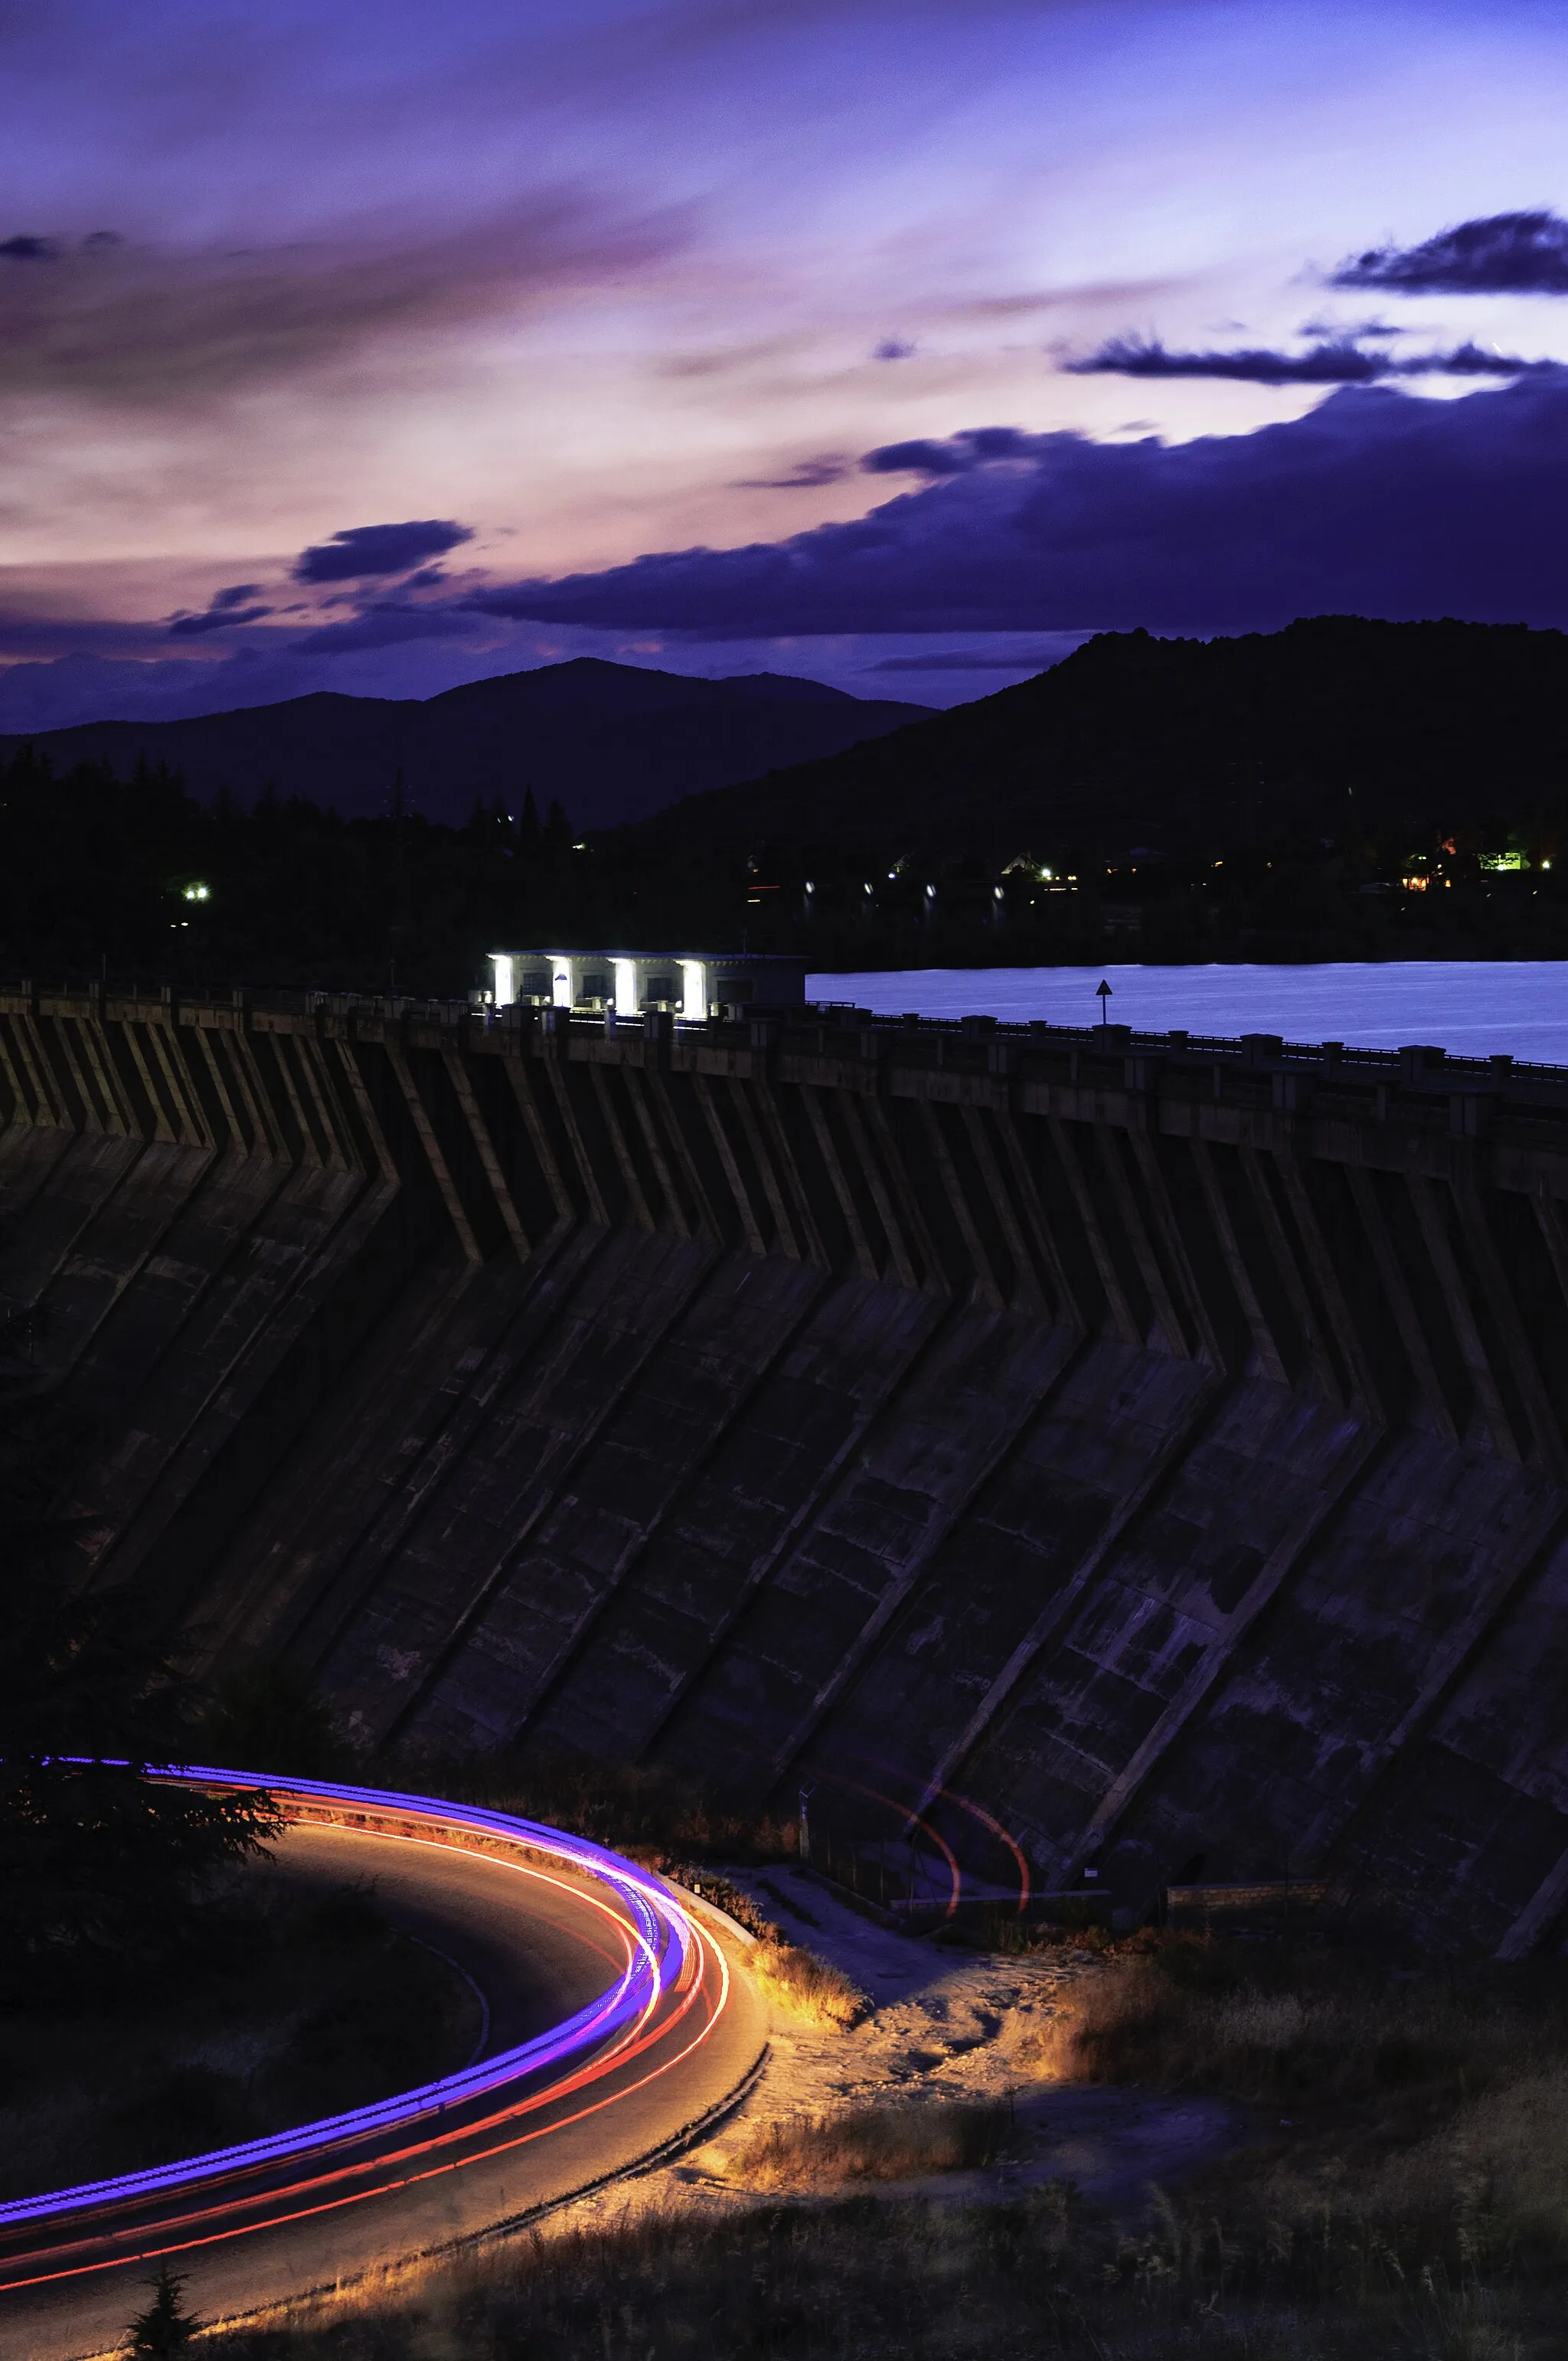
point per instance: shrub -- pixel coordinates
(891, 2143)
(810, 1988)
(788, 1973)
(166, 2326)
(1277, 2022)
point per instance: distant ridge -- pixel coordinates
(1336, 725)
(614, 742)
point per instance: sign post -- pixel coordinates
(1103, 994)
(806, 1792)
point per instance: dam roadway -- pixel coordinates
(1138, 1452)
(616, 2020)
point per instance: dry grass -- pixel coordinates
(1413, 2205)
(810, 1988)
(890, 2143)
(1300, 2023)
(870, 2279)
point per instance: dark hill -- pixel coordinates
(613, 742)
(1336, 727)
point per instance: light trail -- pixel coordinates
(669, 1987)
(912, 1820)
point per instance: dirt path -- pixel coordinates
(947, 2023)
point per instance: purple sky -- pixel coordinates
(380, 346)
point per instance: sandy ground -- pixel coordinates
(946, 2023)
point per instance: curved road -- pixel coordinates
(617, 2021)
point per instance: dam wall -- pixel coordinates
(1139, 1453)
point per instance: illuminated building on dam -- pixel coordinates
(692, 985)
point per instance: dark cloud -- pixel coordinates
(1339, 361)
(224, 610)
(375, 549)
(1504, 254)
(829, 469)
(29, 249)
(1375, 503)
(893, 348)
(1334, 329)
(196, 627)
(955, 456)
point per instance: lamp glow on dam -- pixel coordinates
(692, 985)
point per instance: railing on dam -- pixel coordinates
(1136, 1446)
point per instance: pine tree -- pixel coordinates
(165, 2326)
(527, 832)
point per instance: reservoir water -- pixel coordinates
(1475, 1008)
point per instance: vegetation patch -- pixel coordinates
(866, 2279)
(1404, 2197)
(810, 1988)
(888, 2143)
(1305, 2023)
(788, 1974)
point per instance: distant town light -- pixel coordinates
(198, 892)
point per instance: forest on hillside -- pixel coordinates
(1340, 790)
(134, 878)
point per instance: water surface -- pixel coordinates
(1477, 1008)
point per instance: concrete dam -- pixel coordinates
(1147, 1453)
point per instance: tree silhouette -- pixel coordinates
(165, 2326)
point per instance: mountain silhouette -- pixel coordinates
(1335, 726)
(614, 742)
